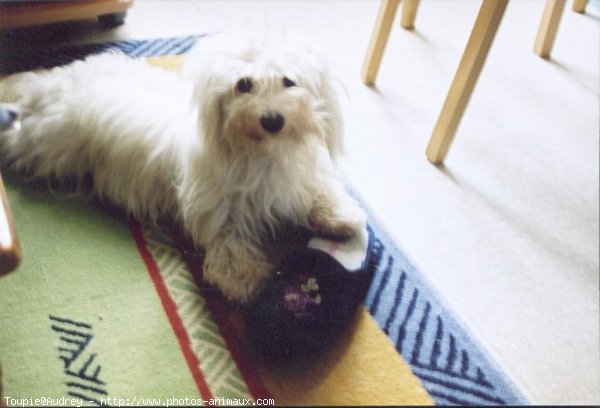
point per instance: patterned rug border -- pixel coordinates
(27, 59)
(478, 373)
(451, 363)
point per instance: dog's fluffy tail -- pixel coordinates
(10, 87)
(9, 110)
(9, 117)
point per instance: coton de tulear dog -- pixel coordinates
(240, 144)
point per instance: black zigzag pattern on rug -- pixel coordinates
(436, 355)
(83, 374)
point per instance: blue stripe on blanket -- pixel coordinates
(451, 364)
(28, 59)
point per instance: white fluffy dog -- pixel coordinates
(242, 142)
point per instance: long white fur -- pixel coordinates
(192, 146)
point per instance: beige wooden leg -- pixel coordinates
(548, 27)
(579, 5)
(471, 63)
(10, 250)
(381, 32)
(409, 13)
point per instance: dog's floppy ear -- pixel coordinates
(334, 132)
(322, 84)
(199, 69)
(210, 113)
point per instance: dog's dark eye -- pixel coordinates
(244, 85)
(288, 83)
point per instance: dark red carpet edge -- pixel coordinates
(171, 311)
(220, 314)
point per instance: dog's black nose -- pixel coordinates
(272, 122)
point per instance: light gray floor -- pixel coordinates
(507, 230)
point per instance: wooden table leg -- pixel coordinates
(409, 13)
(548, 27)
(471, 63)
(10, 250)
(379, 38)
(579, 5)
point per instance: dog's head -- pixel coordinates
(256, 97)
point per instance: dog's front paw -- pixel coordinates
(237, 271)
(332, 220)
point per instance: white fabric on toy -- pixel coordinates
(350, 254)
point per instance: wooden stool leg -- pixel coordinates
(381, 32)
(471, 63)
(10, 250)
(579, 5)
(409, 13)
(548, 27)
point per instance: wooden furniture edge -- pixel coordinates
(53, 12)
(10, 250)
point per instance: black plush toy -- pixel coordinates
(313, 296)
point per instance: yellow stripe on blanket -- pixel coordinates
(169, 62)
(363, 369)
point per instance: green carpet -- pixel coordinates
(80, 264)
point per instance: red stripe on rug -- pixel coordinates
(171, 311)
(222, 316)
